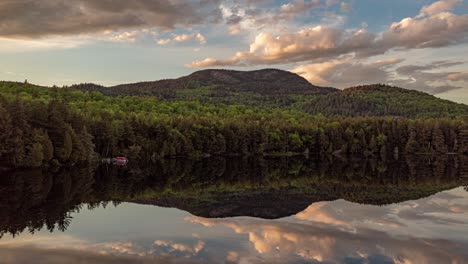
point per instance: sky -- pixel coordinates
(418, 44)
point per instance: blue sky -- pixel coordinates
(420, 44)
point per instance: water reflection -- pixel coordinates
(333, 211)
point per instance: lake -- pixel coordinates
(239, 210)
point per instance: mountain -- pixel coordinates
(278, 89)
(384, 100)
(217, 83)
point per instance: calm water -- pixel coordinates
(239, 211)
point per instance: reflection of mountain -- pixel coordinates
(265, 188)
(282, 187)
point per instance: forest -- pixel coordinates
(66, 126)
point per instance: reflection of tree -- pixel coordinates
(237, 187)
(270, 187)
(35, 200)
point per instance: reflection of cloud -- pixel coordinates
(409, 232)
(440, 209)
(180, 247)
(315, 213)
(232, 257)
(66, 243)
(320, 242)
(122, 248)
(347, 215)
(26, 255)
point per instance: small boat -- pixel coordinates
(120, 161)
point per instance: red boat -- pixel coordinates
(120, 161)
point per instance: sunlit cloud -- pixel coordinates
(347, 72)
(183, 38)
(318, 43)
(438, 7)
(130, 36)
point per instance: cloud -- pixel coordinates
(130, 36)
(424, 78)
(438, 7)
(200, 38)
(15, 45)
(164, 41)
(440, 30)
(320, 43)
(345, 7)
(183, 38)
(297, 7)
(252, 16)
(347, 72)
(458, 76)
(39, 18)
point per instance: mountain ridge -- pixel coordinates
(265, 81)
(274, 88)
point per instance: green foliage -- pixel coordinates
(41, 125)
(384, 100)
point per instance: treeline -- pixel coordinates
(33, 134)
(60, 126)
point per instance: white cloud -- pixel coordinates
(200, 38)
(130, 36)
(163, 41)
(182, 38)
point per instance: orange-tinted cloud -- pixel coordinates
(319, 43)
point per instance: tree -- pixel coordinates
(64, 151)
(412, 145)
(438, 140)
(6, 128)
(35, 155)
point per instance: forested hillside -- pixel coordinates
(384, 100)
(66, 126)
(270, 88)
